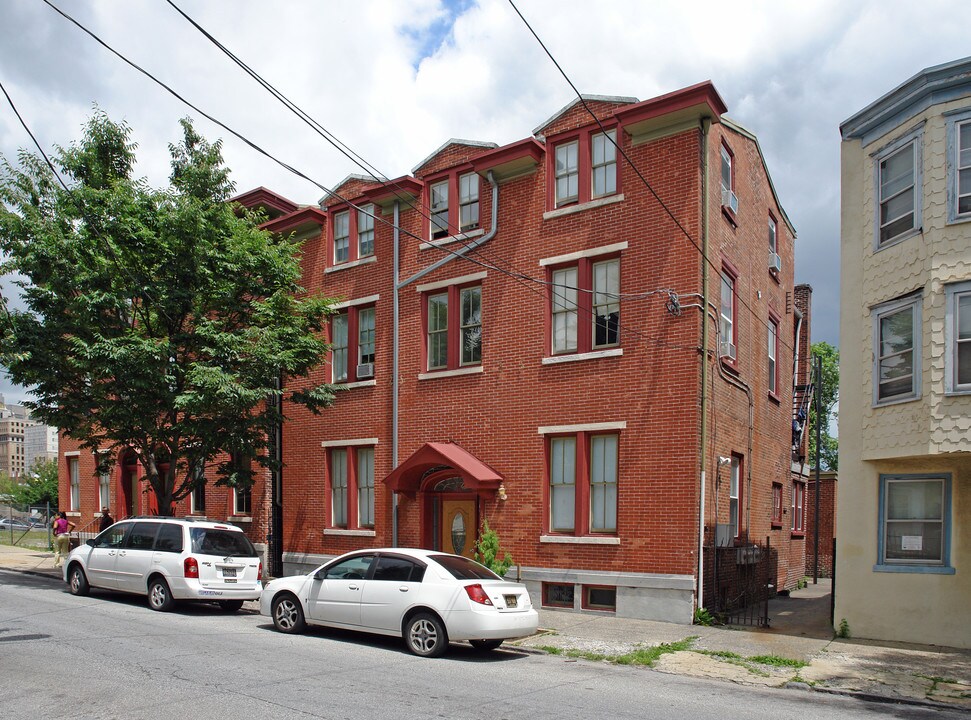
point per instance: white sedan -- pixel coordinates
(429, 598)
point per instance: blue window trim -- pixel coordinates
(942, 568)
(915, 303)
(916, 136)
(954, 118)
(952, 292)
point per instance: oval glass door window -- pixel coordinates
(458, 533)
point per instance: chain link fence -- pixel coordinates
(25, 525)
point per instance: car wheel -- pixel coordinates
(425, 635)
(231, 605)
(485, 645)
(77, 581)
(159, 595)
(287, 614)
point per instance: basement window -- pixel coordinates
(558, 595)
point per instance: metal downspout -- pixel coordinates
(705, 125)
(395, 429)
(394, 371)
(452, 255)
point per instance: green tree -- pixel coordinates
(829, 393)
(487, 551)
(38, 486)
(157, 320)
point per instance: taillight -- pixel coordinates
(259, 573)
(477, 594)
(190, 567)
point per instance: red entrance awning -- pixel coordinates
(475, 474)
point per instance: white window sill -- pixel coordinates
(434, 375)
(577, 357)
(897, 401)
(349, 265)
(451, 239)
(358, 384)
(239, 519)
(73, 513)
(570, 209)
(579, 540)
(349, 533)
(878, 246)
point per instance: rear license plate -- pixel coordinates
(511, 601)
(229, 572)
(230, 580)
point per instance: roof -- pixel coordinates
(408, 476)
(618, 99)
(274, 203)
(454, 141)
(930, 86)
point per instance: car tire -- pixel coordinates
(231, 606)
(288, 614)
(77, 581)
(425, 635)
(159, 595)
(485, 645)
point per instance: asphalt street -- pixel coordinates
(109, 656)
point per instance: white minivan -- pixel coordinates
(168, 560)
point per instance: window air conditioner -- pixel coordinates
(775, 262)
(730, 200)
(726, 348)
(365, 370)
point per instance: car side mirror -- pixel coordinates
(90, 542)
(319, 575)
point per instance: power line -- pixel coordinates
(522, 278)
(637, 171)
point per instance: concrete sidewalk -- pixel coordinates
(797, 651)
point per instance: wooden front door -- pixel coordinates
(459, 527)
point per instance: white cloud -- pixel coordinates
(394, 80)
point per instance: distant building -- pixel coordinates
(40, 443)
(14, 419)
(904, 511)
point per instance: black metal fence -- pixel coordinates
(739, 581)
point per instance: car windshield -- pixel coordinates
(461, 568)
(211, 541)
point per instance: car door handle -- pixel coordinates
(352, 587)
(403, 588)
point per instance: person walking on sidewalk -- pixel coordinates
(62, 537)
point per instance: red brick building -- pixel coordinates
(590, 348)
(519, 337)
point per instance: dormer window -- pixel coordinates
(468, 201)
(567, 173)
(583, 167)
(352, 233)
(447, 217)
(439, 209)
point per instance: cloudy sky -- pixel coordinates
(394, 79)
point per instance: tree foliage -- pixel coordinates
(829, 394)
(37, 487)
(157, 321)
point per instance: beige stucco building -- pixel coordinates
(904, 510)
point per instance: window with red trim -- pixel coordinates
(735, 497)
(453, 327)
(584, 306)
(584, 167)
(453, 204)
(729, 198)
(727, 327)
(351, 472)
(776, 504)
(352, 340)
(352, 234)
(798, 506)
(772, 349)
(582, 475)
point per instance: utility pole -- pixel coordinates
(818, 370)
